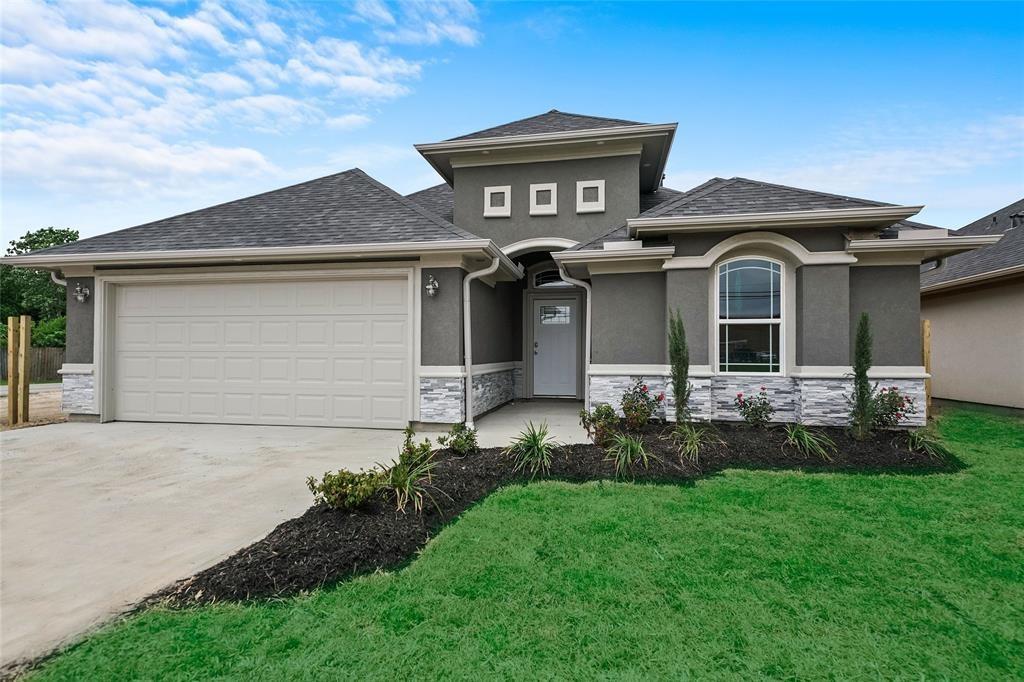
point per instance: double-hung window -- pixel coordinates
(749, 320)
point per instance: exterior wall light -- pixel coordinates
(432, 286)
(80, 293)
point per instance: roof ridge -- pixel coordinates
(701, 190)
(812, 191)
(600, 118)
(409, 203)
(204, 208)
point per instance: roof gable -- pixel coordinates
(553, 121)
(345, 208)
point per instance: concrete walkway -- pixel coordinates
(96, 517)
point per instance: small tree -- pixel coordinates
(679, 357)
(862, 403)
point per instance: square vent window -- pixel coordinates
(590, 196)
(498, 202)
(544, 199)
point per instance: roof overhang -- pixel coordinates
(470, 248)
(923, 249)
(615, 260)
(867, 216)
(651, 142)
(973, 280)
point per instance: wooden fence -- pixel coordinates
(43, 364)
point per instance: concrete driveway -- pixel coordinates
(96, 517)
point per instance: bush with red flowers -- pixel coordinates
(639, 404)
(891, 407)
(756, 410)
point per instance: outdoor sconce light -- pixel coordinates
(80, 293)
(432, 286)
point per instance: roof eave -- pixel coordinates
(482, 247)
(861, 216)
(972, 280)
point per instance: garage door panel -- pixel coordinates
(332, 353)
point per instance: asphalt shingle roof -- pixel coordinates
(734, 196)
(1006, 253)
(345, 208)
(553, 121)
(440, 199)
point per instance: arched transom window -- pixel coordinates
(749, 316)
(548, 278)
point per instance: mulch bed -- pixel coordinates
(324, 546)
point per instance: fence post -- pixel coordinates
(24, 372)
(926, 354)
(13, 338)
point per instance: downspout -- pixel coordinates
(467, 333)
(586, 334)
(58, 280)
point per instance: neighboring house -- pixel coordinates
(545, 265)
(975, 303)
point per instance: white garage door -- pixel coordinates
(321, 353)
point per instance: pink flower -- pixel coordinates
(645, 389)
(739, 395)
(762, 388)
(661, 396)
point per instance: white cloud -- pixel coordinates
(373, 11)
(427, 22)
(270, 113)
(33, 65)
(225, 83)
(348, 121)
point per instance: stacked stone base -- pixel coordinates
(78, 394)
(820, 402)
(442, 399)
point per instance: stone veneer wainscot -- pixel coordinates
(442, 398)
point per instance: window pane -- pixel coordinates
(749, 289)
(497, 199)
(555, 314)
(590, 194)
(748, 348)
(549, 278)
(543, 197)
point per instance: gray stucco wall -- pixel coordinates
(497, 322)
(822, 318)
(629, 318)
(80, 323)
(441, 328)
(890, 295)
(813, 239)
(622, 181)
(687, 291)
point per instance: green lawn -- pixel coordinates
(750, 573)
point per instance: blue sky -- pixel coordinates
(115, 114)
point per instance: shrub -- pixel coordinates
(414, 453)
(601, 424)
(921, 440)
(756, 411)
(408, 479)
(532, 450)
(862, 404)
(679, 358)
(890, 407)
(627, 452)
(810, 443)
(344, 489)
(691, 439)
(638, 404)
(461, 439)
(49, 333)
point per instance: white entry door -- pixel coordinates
(555, 345)
(317, 353)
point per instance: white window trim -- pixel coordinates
(498, 211)
(544, 209)
(781, 322)
(589, 206)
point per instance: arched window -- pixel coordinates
(749, 316)
(548, 278)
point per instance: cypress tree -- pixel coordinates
(862, 408)
(679, 357)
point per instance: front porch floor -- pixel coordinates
(498, 428)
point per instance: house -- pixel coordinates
(544, 265)
(975, 304)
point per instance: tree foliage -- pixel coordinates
(32, 292)
(679, 357)
(862, 403)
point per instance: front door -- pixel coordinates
(555, 346)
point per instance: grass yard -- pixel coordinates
(748, 573)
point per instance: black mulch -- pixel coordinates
(324, 546)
